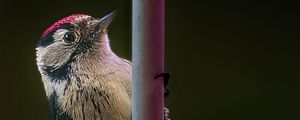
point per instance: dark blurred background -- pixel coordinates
(230, 60)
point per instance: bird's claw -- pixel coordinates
(166, 77)
(166, 114)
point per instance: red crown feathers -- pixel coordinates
(61, 22)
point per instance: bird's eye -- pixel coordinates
(69, 37)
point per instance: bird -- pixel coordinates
(82, 77)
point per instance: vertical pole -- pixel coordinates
(148, 59)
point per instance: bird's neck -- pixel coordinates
(55, 112)
(86, 81)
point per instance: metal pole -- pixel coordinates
(148, 59)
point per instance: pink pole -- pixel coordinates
(148, 59)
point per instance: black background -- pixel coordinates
(235, 60)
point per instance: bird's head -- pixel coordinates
(72, 37)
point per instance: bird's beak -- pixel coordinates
(104, 22)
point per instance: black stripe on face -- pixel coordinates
(45, 41)
(61, 73)
(48, 39)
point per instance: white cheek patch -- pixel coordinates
(59, 34)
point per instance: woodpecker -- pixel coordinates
(83, 78)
